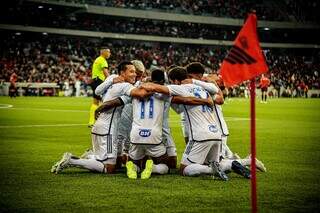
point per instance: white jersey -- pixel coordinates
(148, 119)
(165, 127)
(200, 119)
(217, 110)
(125, 122)
(107, 122)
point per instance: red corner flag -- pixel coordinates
(245, 59)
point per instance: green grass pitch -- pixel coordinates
(31, 141)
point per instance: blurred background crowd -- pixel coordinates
(67, 60)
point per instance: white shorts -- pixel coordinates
(201, 152)
(139, 151)
(105, 148)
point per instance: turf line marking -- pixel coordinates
(5, 106)
(48, 110)
(42, 125)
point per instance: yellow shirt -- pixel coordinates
(97, 69)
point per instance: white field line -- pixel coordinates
(5, 106)
(41, 125)
(43, 109)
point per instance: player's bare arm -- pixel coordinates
(108, 105)
(105, 72)
(140, 93)
(152, 87)
(218, 98)
(192, 101)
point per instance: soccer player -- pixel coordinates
(12, 87)
(104, 131)
(230, 161)
(150, 134)
(264, 84)
(125, 122)
(204, 136)
(195, 71)
(99, 73)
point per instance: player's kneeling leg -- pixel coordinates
(195, 170)
(160, 165)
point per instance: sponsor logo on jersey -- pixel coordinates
(145, 132)
(213, 128)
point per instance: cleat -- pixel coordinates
(131, 170)
(62, 164)
(259, 165)
(241, 170)
(54, 168)
(146, 173)
(217, 172)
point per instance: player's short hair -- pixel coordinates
(123, 66)
(157, 76)
(195, 68)
(138, 65)
(177, 73)
(171, 66)
(102, 49)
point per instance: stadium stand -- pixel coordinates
(218, 8)
(64, 61)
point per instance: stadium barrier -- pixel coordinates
(31, 89)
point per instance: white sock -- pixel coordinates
(160, 169)
(225, 164)
(197, 169)
(226, 152)
(89, 164)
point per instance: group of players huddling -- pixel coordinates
(132, 126)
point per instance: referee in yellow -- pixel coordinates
(99, 73)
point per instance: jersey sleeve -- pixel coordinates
(103, 87)
(210, 87)
(177, 90)
(127, 88)
(103, 64)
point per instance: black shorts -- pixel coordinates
(264, 89)
(95, 83)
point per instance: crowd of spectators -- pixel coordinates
(304, 11)
(29, 15)
(67, 61)
(217, 8)
(285, 10)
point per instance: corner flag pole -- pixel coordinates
(254, 208)
(246, 61)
